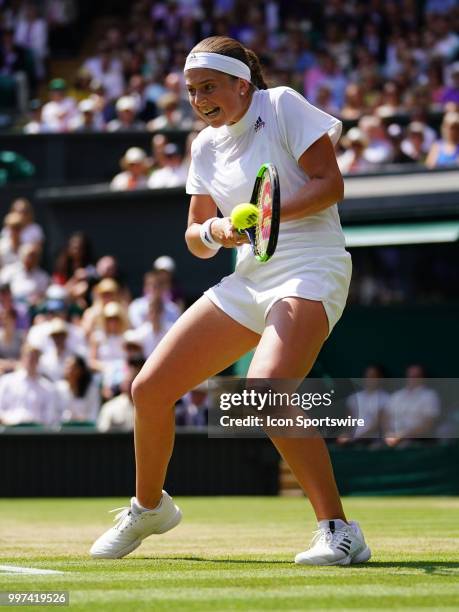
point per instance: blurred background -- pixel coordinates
(95, 137)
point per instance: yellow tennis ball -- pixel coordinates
(244, 216)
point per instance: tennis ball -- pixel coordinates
(244, 216)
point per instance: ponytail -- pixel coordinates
(255, 70)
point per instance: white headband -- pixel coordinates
(216, 61)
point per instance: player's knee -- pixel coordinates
(150, 391)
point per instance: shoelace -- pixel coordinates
(123, 513)
(325, 536)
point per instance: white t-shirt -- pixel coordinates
(411, 408)
(368, 405)
(72, 408)
(24, 399)
(149, 338)
(279, 126)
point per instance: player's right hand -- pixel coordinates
(224, 232)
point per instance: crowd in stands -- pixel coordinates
(395, 418)
(72, 341)
(386, 67)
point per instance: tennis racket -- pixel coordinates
(266, 197)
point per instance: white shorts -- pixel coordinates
(321, 274)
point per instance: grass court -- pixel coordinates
(235, 553)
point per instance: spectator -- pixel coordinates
(34, 124)
(81, 89)
(327, 73)
(370, 405)
(391, 103)
(11, 340)
(107, 290)
(107, 267)
(171, 117)
(325, 102)
(193, 411)
(25, 396)
(134, 166)
(354, 102)
(52, 360)
(31, 233)
(132, 345)
(412, 411)
(118, 413)
(158, 143)
(15, 78)
(58, 114)
(126, 110)
(445, 152)
(164, 267)
(447, 41)
(395, 133)
(152, 331)
(55, 307)
(154, 284)
(6, 299)
(413, 144)
(378, 149)
(87, 120)
(174, 83)
(451, 92)
(146, 108)
(106, 69)
(27, 280)
(353, 160)
(78, 393)
(31, 33)
(173, 173)
(75, 261)
(10, 240)
(106, 352)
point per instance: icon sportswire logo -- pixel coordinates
(259, 123)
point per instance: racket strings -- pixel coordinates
(261, 241)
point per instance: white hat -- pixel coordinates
(112, 309)
(165, 262)
(355, 134)
(134, 155)
(56, 292)
(131, 336)
(126, 103)
(87, 106)
(58, 326)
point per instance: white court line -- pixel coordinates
(14, 569)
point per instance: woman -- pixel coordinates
(78, 393)
(31, 231)
(445, 152)
(300, 292)
(106, 348)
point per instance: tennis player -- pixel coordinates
(286, 308)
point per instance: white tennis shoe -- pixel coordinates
(336, 543)
(133, 526)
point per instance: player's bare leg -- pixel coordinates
(203, 342)
(295, 332)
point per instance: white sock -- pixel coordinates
(138, 508)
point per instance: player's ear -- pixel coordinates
(243, 87)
